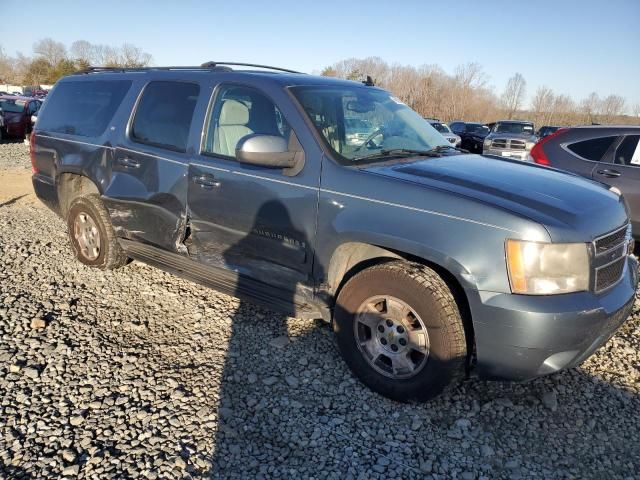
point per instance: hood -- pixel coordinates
(571, 208)
(519, 136)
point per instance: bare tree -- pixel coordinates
(513, 96)
(612, 106)
(590, 108)
(52, 51)
(636, 110)
(542, 105)
(83, 51)
(6, 67)
(132, 56)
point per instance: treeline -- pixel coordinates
(466, 94)
(52, 60)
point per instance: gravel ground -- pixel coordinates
(139, 374)
(14, 155)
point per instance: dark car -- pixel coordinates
(547, 130)
(428, 262)
(16, 114)
(607, 154)
(472, 134)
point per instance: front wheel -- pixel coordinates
(400, 331)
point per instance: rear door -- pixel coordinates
(147, 192)
(590, 156)
(622, 170)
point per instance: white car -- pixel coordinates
(446, 132)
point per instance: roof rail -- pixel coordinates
(215, 64)
(145, 69)
(210, 66)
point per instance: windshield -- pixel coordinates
(477, 128)
(361, 121)
(511, 127)
(441, 127)
(11, 105)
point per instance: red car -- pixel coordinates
(16, 114)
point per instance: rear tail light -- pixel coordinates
(32, 151)
(537, 152)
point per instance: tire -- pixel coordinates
(432, 308)
(103, 251)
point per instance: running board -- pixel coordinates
(224, 281)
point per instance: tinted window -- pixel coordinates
(628, 152)
(164, 114)
(83, 108)
(593, 149)
(241, 111)
(11, 105)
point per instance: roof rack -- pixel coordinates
(215, 64)
(209, 66)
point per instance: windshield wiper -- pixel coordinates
(444, 148)
(399, 152)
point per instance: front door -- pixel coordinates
(253, 220)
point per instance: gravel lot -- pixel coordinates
(139, 374)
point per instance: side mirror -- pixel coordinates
(271, 151)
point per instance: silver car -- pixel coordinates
(446, 132)
(510, 138)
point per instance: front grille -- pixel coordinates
(610, 257)
(499, 143)
(518, 145)
(609, 274)
(609, 241)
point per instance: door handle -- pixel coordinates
(128, 162)
(206, 180)
(609, 173)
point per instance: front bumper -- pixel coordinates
(517, 154)
(520, 337)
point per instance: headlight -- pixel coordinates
(529, 145)
(547, 268)
(487, 143)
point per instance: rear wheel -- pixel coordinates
(400, 331)
(91, 235)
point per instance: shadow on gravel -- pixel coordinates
(259, 380)
(12, 200)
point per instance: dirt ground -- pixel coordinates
(15, 187)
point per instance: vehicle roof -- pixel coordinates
(513, 121)
(281, 78)
(16, 97)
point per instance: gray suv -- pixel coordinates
(510, 138)
(431, 264)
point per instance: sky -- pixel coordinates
(573, 46)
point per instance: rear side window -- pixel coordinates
(164, 114)
(83, 108)
(593, 149)
(628, 152)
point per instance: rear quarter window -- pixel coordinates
(83, 108)
(592, 149)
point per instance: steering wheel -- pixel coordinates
(369, 139)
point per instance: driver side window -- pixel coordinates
(237, 112)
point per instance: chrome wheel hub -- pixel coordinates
(86, 233)
(391, 336)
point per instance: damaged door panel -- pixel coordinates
(147, 201)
